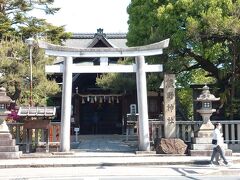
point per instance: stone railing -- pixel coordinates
(186, 129)
(37, 135)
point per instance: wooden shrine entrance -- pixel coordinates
(100, 118)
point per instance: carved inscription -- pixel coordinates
(169, 106)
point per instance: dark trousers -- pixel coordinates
(219, 150)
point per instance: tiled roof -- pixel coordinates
(84, 40)
(92, 35)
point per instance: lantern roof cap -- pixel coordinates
(2, 89)
(206, 95)
(3, 96)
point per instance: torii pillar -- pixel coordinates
(66, 102)
(144, 143)
(140, 69)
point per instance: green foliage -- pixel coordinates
(185, 97)
(142, 20)
(15, 21)
(154, 81)
(204, 35)
(127, 82)
(196, 76)
(118, 82)
(15, 73)
(15, 27)
(184, 92)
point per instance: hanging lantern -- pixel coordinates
(109, 99)
(100, 100)
(117, 100)
(95, 98)
(88, 99)
(113, 99)
(83, 101)
(92, 100)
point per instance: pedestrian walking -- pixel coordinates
(217, 141)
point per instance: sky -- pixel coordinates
(86, 16)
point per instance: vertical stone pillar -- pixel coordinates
(144, 142)
(169, 106)
(66, 105)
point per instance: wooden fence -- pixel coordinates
(37, 135)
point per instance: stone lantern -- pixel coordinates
(4, 102)
(206, 99)
(8, 148)
(202, 145)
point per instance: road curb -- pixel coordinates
(47, 160)
(33, 165)
(221, 172)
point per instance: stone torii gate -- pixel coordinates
(140, 68)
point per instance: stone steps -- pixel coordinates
(205, 146)
(5, 136)
(198, 140)
(10, 155)
(8, 148)
(9, 142)
(228, 152)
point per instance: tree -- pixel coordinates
(118, 81)
(126, 82)
(16, 21)
(204, 35)
(14, 70)
(15, 27)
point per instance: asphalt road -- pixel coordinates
(121, 173)
(137, 178)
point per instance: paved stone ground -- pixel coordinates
(106, 151)
(104, 143)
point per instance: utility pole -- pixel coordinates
(233, 78)
(30, 42)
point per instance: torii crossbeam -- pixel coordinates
(140, 68)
